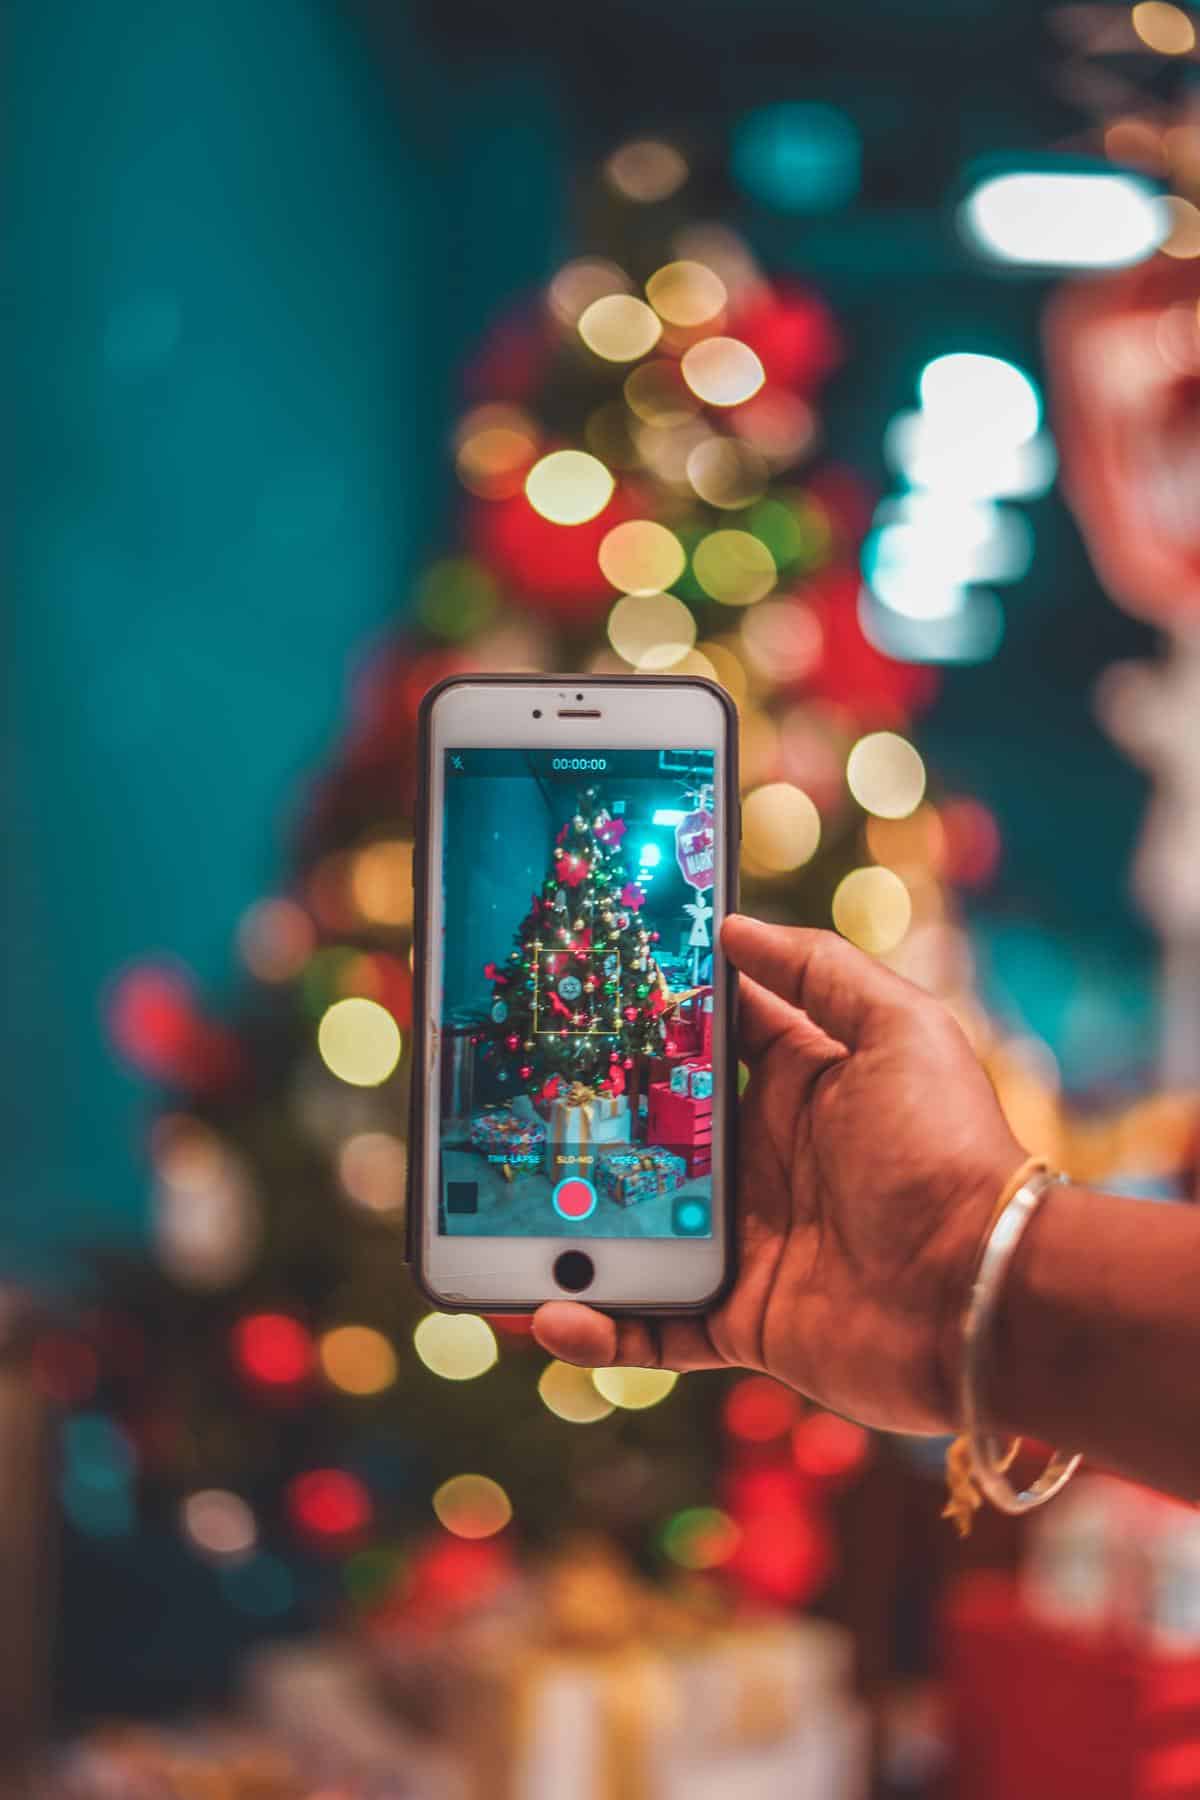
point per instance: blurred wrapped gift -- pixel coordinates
(507, 1137)
(578, 1120)
(584, 1684)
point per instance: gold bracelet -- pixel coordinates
(975, 1465)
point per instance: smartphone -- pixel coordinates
(572, 1129)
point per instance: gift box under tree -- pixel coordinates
(684, 1123)
(579, 1122)
(639, 1173)
(507, 1137)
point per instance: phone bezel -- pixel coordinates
(497, 1274)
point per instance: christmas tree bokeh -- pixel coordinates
(644, 487)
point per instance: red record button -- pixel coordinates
(574, 1199)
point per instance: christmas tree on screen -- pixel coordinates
(643, 488)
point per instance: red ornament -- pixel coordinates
(552, 1088)
(513, 1041)
(654, 937)
(631, 1013)
(573, 869)
(554, 568)
(329, 1505)
(850, 671)
(627, 1063)
(272, 1349)
(615, 1080)
(793, 333)
(525, 1072)
(492, 973)
(632, 895)
(611, 831)
(155, 1022)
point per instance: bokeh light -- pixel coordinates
(798, 156)
(656, 392)
(731, 671)
(826, 1447)
(725, 473)
(759, 1410)
(457, 596)
(872, 907)
(1164, 27)
(472, 1506)
(260, 1586)
(1184, 239)
(359, 1042)
(722, 371)
(568, 487)
(917, 841)
(63, 1368)
(381, 882)
(781, 828)
(357, 1359)
(651, 631)
(782, 640)
(700, 1537)
(646, 170)
(634, 1389)
(98, 1465)
(886, 775)
(372, 1168)
(272, 1349)
(966, 394)
(570, 1393)
(686, 293)
(1096, 219)
(494, 445)
(620, 328)
(642, 557)
(758, 762)
(780, 426)
(218, 1524)
(581, 282)
(275, 938)
(329, 1505)
(733, 567)
(456, 1346)
(207, 1220)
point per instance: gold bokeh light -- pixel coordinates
(381, 882)
(456, 1346)
(873, 908)
(651, 631)
(686, 293)
(634, 1389)
(646, 170)
(885, 774)
(359, 1041)
(733, 567)
(642, 557)
(570, 1393)
(372, 1168)
(494, 446)
(568, 487)
(722, 371)
(725, 473)
(783, 639)
(581, 282)
(357, 1359)
(472, 1506)
(1184, 238)
(620, 328)
(658, 395)
(781, 828)
(1164, 27)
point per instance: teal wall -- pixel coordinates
(250, 244)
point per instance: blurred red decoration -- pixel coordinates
(785, 1554)
(973, 846)
(155, 1022)
(758, 1410)
(792, 332)
(554, 567)
(272, 1349)
(63, 1368)
(1123, 354)
(329, 1504)
(446, 1579)
(850, 671)
(512, 359)
(827, 1448)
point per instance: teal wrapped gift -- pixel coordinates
(628, 1176)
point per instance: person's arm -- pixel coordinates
(1096, 1344)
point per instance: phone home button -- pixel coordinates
(574, 1271)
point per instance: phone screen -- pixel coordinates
(576, 1079)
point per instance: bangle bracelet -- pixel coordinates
(988, 1466)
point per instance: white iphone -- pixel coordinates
(574, 1072)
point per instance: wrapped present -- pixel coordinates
(506, 1137)
(596, 1687)
(681, 1123)
(580, 1120)
(694, 1078)
(691, 1025)
(639, 1173)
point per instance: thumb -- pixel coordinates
(838, 986)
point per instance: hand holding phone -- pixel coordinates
(572, 1103)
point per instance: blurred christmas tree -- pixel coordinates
(643, 490)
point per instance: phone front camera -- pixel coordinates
(537, 712)
(579, 696)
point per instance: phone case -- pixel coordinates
(417, 1123)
